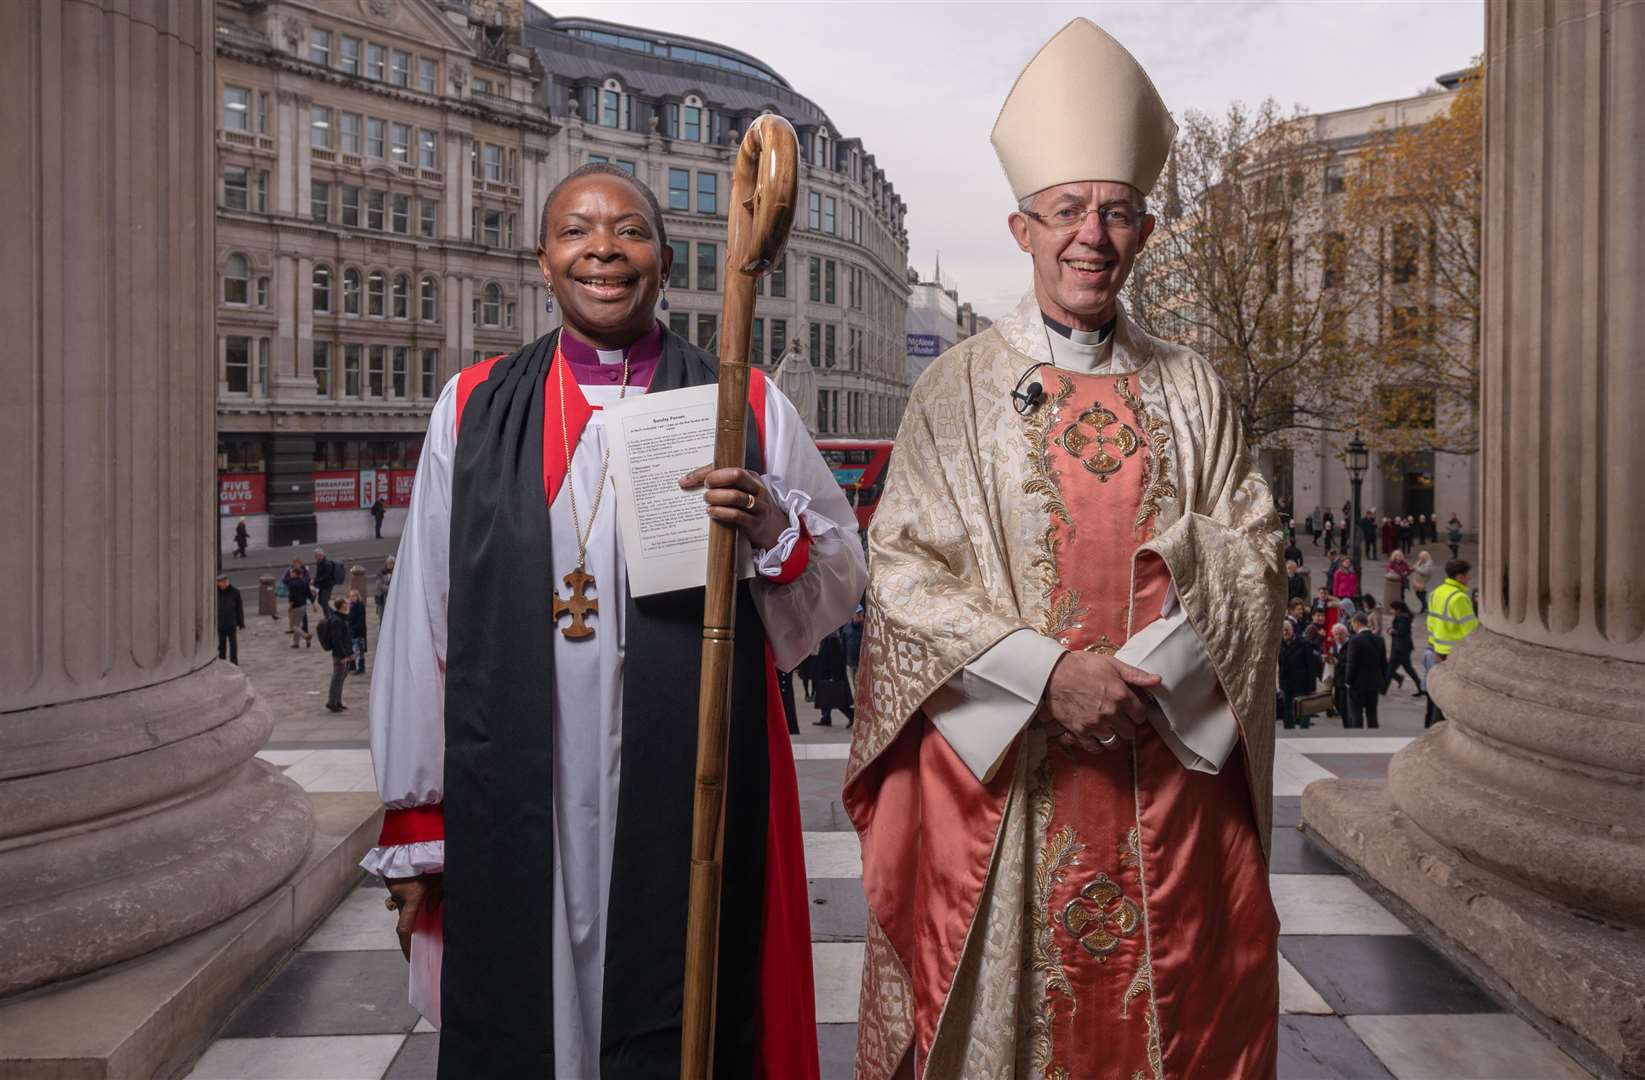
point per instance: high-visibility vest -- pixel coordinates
(1450, 616)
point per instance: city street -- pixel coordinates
(1361, 995)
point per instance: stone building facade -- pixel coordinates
(1311, 471)
(379, 164)
(672, 110)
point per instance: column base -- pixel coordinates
(1578, 978)
(151, 1017)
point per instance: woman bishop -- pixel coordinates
(533, 724)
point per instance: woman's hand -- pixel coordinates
(408, 897)
(736, 497)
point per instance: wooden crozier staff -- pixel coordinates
(764, 194)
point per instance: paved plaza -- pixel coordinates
(1361, 995)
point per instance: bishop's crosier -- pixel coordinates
(1061, 770)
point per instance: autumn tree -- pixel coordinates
(1246, 268)
(1416, 199)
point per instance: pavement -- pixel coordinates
(1361, 996)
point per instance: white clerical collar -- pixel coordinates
(610, 356)
(1079, 350)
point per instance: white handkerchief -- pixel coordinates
(1188, 709)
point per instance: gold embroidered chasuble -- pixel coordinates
(959, 560)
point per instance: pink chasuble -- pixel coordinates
(1150, 936)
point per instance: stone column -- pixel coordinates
(1517, 829)
(132, 812)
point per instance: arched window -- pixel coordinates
(322, 287)
(236, 279)
(431, 300)
(351, 292)
(613, 106)
(825, 157)
(693, 120)
(491, 308)
(402, 296)
(374, 293)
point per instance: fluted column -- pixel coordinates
(1518, 826)
(132, 811)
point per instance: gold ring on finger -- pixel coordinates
(1110, 741)
(752, 500)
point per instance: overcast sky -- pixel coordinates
(921, 83)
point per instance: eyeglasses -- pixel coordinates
(1117, 217)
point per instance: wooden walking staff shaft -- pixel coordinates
(764, 193)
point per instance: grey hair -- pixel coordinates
(1028, 200)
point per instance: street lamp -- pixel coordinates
(1358, 459)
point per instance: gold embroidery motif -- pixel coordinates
(1102, 464)
(1103, 646)
(1056, 854)
(1100, 917)
(1131, 855)
(1158, 433)
(1041, 480)
(1063, 615)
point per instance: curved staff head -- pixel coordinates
(765, 188)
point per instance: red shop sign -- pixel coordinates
(241, 493)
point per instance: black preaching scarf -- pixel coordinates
(496, 987)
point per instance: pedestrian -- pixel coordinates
(1293, 552)
(1299, 671)
(1329, 530)
(1296, 613)
(1344, 582)
(1365, 672)
(1453, 536)
(807, 674)
(1296, 582)
(1451, 618)
(328, 574)
(1316, 524)
(1395, 576)
(1389, 533)
(1421, 574)
(357, 629)
(1372, 612)
(241, 538)
(378, 509)
(1401, 647)
(385, 577)
(853, 644)
(1368, 534)
(299, 594)
(1406, 532)
(832, 684)
(334, 638)
(1316, 633)
(1419, 533)
(1338, 658)
(231, 619)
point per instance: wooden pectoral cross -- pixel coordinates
(578, 607)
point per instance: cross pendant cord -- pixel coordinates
(579, 581)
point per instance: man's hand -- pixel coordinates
(1096, 699)
(729, 496)
(409, 896)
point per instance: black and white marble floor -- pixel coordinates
(1360, 996)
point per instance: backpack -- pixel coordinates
(324, 632)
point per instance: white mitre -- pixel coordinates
(1083, 109)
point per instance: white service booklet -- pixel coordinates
(655, 439)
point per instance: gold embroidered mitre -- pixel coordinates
(1083, 109)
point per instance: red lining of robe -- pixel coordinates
(786, 1025)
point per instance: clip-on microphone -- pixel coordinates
(1026, 401)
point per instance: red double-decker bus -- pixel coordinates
(859, 467)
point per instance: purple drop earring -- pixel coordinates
(664, 303)
(549, 307)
